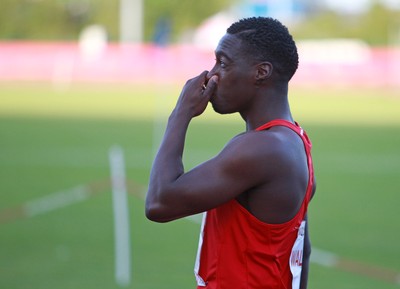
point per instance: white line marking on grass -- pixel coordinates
(324, 258)
(195, 218)
(56, 201)
(53, 201)
(121, 217)
(329, 259)
(61, 199)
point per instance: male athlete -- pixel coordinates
(255, 192)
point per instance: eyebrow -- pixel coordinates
(219, 53)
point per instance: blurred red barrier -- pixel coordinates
(67, 62)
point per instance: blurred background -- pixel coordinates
(82, 79)
(114, 41)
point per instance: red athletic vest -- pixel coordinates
(238, 251)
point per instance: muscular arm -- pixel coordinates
(167, 166)
(248, 161)
(172, 193)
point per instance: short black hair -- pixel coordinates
(267, 39)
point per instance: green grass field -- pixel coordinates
(52, 141)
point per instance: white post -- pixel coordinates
(121, 217)
(131, 21)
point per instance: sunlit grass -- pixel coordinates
(52, 140)
(363, 106)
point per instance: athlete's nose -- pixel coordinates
(210, 74)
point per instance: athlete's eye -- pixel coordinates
(221, 63)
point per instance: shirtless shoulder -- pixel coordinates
(276, 161)
(267, 152)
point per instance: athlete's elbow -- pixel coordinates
(163, 204)
(152, 210)
(156, 212)
(153, 214)
(153, 205)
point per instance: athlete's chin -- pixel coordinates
(218, 111)
(219, 108)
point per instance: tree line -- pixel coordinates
(64, 20)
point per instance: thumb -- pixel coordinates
(211, 85)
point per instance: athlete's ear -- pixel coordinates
(264, 71)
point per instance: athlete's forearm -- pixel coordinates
(163, 194)
(167, 167)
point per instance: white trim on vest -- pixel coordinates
(296, 257)
(199, 280)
